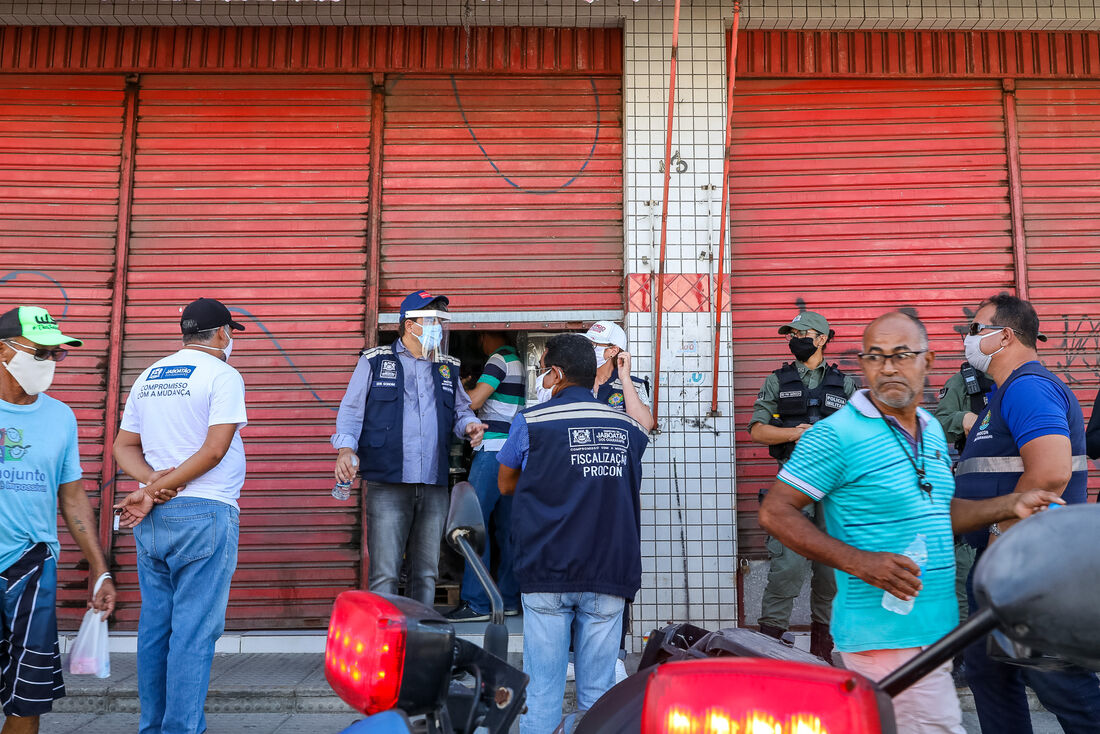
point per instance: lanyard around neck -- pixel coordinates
(922, 484)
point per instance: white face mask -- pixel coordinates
(542, 394)
(972, 347)
(228, 347)
(600, 359)
(32, 375)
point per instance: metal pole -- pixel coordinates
(664, 208)
(724, 189)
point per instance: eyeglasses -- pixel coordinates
(874, 359)
(977, 328)
(57, 355)
(796, 333)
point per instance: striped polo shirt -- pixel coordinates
(863, 472)
(505, 374)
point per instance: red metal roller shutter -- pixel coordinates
(253, 189)
(60, 148)
(504, 193)
(1059, 134)
(854, 197)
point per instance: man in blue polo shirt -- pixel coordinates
(880, 468)
(575, 466)
(394, 424)
(1030, 434)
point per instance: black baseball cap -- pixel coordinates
(205, 314)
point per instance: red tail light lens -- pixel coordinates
(365, 651)
(757, 696)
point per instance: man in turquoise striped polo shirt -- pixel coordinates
(497, 397)
(881, 471)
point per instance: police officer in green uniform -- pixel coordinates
(793, 397)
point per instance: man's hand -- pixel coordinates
(162, 495)
(134, 508)
(800, 429)
(347, 464)
(1036, 500)
(104, 601)
(968, 422)
(890, 572)
(623, 366)
(475, 432)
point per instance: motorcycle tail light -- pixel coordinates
(365, 651)
(761, 696)
(370, 636)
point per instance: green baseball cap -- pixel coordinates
(36, 324)
(806, 320)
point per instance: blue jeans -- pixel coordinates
(547, 618)
(186, 555)
(483, 475)
(405, 520)
(1000, 695)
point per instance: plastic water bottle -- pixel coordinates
(917, 552)
(342, 490)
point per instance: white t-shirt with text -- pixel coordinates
(173, 404)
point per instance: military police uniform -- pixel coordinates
(792, 395)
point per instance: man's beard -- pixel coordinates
(896, 403)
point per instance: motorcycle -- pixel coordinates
(392, 658)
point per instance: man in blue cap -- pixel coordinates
(402, 405)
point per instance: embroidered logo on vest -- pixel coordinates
(445, 371)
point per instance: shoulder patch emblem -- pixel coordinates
(445, 371)
(615, 399)
(943, 392)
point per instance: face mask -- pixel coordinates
(542, 394)
(33, 376)
(972, 347)
(600, 359)
(228, 347)
(802, 347)
(430, 337)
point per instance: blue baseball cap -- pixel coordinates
(418, 300)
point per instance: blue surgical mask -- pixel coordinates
(430, 337)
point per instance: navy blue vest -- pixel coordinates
(576, 515)
(381, 445)
(990, 464)
(611, 392)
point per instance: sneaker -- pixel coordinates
(620, 671)
(512, 612)
(465, 613)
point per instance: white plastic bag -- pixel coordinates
(89, 655)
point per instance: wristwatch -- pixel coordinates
(994, 530)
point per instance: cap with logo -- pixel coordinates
(606, 332)
(807, 320)
(205, 314)
(418, 300)
(36, 324)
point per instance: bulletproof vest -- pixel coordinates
(991, 465)
(799, 404)
(977, 389)
(381, 442)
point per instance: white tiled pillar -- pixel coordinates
(688, 531)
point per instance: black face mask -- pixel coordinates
(802, 347)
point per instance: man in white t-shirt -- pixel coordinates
(180, 439)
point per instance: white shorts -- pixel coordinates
(929, 706)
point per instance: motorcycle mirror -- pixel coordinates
(1040, 581)
(464, 518)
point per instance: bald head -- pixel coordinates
(896, 359)
(898, 325)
